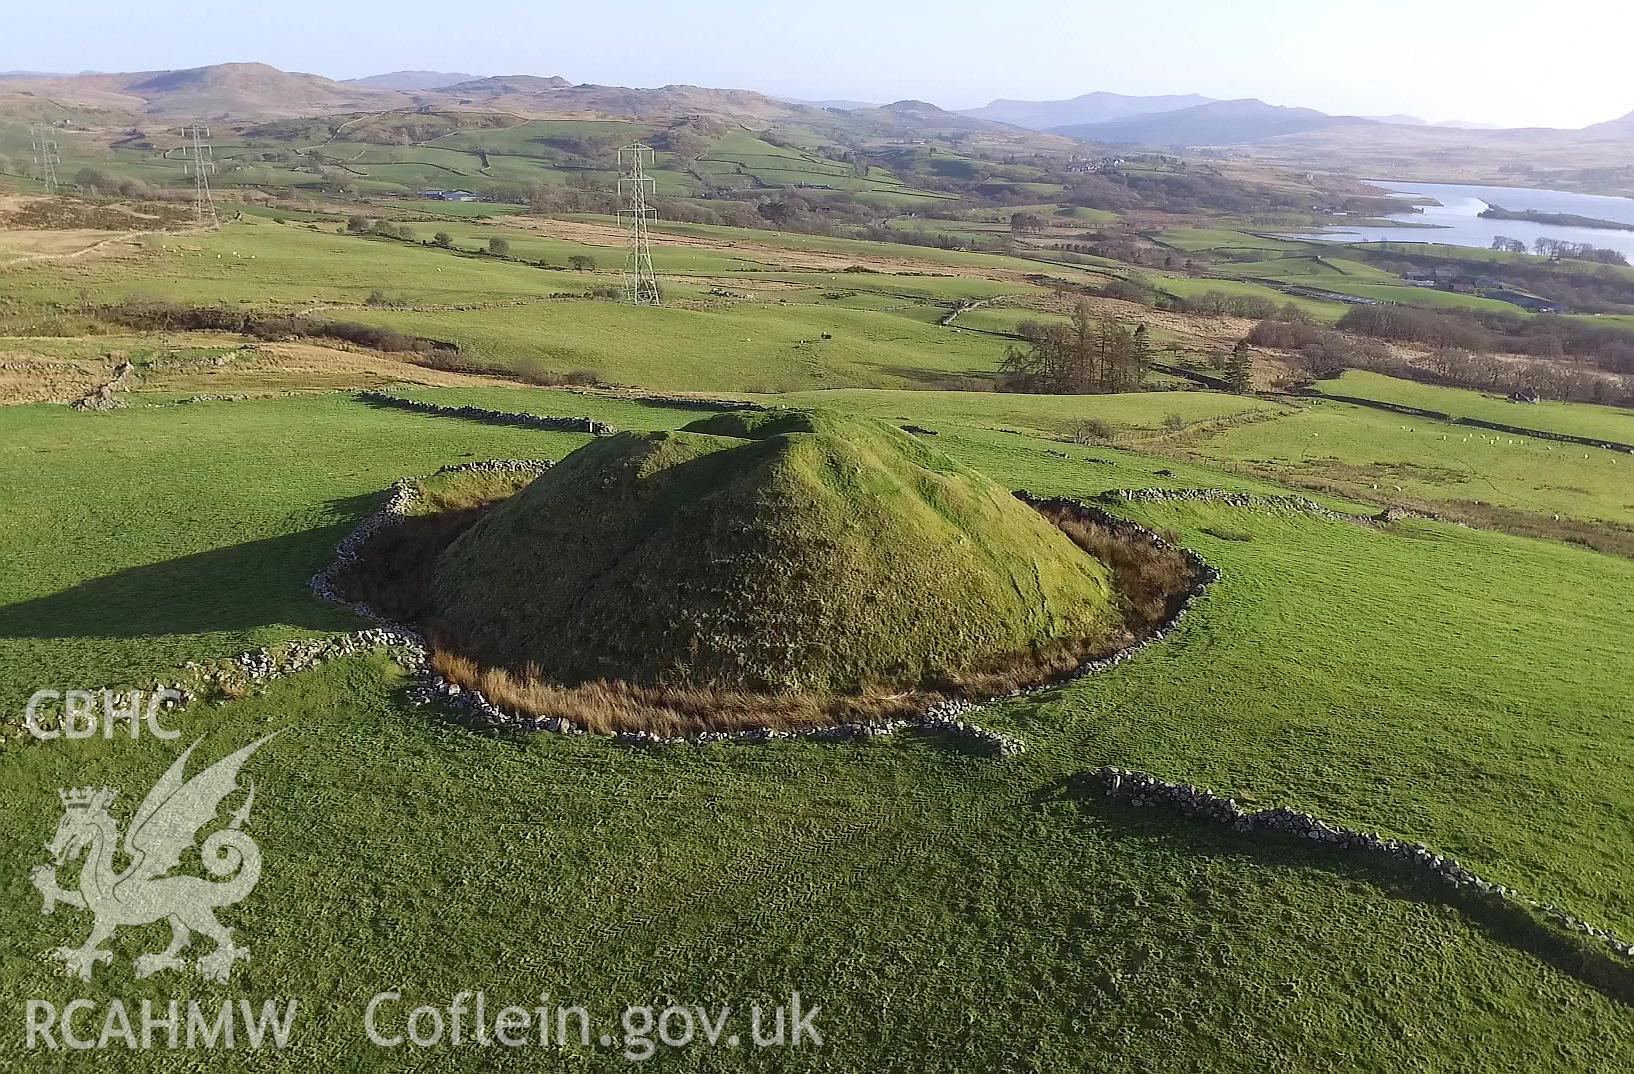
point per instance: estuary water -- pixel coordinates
(1455, 218)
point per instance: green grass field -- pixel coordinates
(1462, 685)
(1575, 419)
(1390, 457)
(944, 909)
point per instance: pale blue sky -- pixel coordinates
(1563, 63)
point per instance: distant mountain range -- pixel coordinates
(412, 81)
(1184, 119)
(1096, 107)
(1215, 123)
(842, 105)
(256, 90)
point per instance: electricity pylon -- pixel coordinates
(635, 215)
(202, 165)
(47, 154)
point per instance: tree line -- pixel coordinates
(1088, 356)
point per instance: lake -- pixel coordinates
(1456, 219)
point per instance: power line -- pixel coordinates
(635, 215)
(47, 154)
(202, 164)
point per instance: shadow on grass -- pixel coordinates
(236, 588)
(1568, 952)
(941, 379)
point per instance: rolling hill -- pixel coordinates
(921, 115)
(225, 89)
(1098, 107)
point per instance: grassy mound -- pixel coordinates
(797, 551)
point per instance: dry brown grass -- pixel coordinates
(294, 365)
(26, 378)
(76, 214)
(607, 707)
(1150, 581)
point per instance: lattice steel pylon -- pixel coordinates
(202, 165)
(47, 154)
(635, 215)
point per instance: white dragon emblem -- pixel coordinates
(165, 827)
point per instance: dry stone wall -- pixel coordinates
(491, 417)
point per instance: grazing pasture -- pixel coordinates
(1463, 685)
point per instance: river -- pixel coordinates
(1455, 218)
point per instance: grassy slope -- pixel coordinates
(882, 327)
(948, 911)
(1354, 448)
(1575, 419)
(165, 534)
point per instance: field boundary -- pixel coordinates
(486, 416)
(1476, 423)
(1140, 789)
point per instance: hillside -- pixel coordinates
(795, 551)
(1098, 107)
(235, 89)
(500, 85)
(1621, 127)
(1219, 123)
(531, 93)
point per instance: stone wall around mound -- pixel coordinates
(946, 717)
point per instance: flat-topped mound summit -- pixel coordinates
(793, 551)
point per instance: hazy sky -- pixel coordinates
(1512, 62)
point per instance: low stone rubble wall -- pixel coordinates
(105, 397)
(1229, 498)
(491, 417)
(1140, 789)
